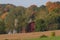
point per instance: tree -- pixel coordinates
(52, 5)
(52, 21)
(21, 17)
(30, 10)
(2, 27)
(9, 21)
(40, 25)
(41, 13)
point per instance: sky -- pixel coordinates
(26, 3)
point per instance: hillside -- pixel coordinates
(17, 19)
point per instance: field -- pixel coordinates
(49, 38)
(31, 36)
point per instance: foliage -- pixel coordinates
(52, 5)
(40, 25)
(2, 27)
(45, 17)
(9, 20)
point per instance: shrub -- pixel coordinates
(43, 36)
(53, 34)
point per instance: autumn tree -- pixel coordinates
(52, 5)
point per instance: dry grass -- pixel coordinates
(22, 36)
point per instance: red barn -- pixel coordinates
(31, 26)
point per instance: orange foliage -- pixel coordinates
(4, 15)
(51, 6)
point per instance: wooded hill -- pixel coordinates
(46, 17)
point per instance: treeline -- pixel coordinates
(16, 18)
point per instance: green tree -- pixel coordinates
(40, 25)
(52, 20)
(2, 27)
(22, 18)
(41, 13)
(9, 21)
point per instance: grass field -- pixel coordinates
(48, 38)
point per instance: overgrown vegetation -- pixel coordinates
(16, 18)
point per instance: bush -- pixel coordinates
(53, 34)
(43, 36)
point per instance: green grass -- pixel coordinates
(48, 38)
